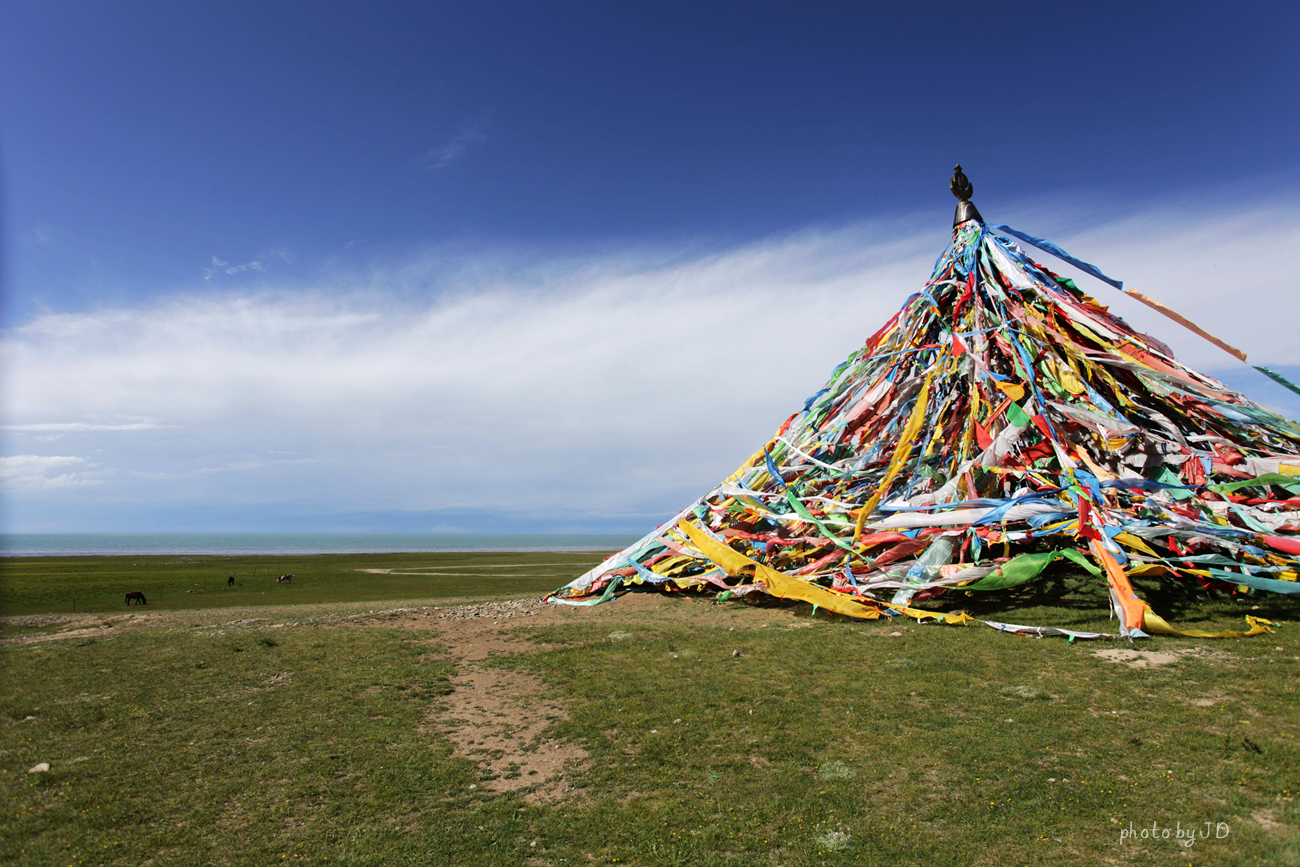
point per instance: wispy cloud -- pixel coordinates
(217, 267)
(33, 472)
(214, 269)
(615, 384)
(234, 467)
(246, 466)
(70, 426)
(443, 155)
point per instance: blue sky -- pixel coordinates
(561, 266)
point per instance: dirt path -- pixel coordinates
(496, 717)
(30, 628)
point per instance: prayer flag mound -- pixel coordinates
(1001, 420)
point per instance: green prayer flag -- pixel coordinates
(1027, 567)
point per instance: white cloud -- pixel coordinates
(1227, 270)
(220, 267)
(620, 383)
(445, 154)
(32, 472)
(214, 269)
(83, 426)
(245, 466)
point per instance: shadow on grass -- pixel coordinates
(1070, 598)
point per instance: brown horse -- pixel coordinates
(230, 582)
(288, 577)
(137, 596)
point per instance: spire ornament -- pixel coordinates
(963, 189)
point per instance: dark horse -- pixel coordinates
(230, 582)
(137, 596)
(288, 577)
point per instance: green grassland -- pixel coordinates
(47, 585)
(727, 734)
(847, 744)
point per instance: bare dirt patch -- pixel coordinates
(499, 719)
(496, 717)
(35, 628)
(82, 634)
(40, 628)
(1149, 658)
(1267, 820)
(1136, 658)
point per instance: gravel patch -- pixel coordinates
(493, 610)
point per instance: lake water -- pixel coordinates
(100, 544)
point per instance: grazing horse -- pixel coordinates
(230, 582)
(137, 596)
(288, 577)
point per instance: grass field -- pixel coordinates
(46, 585)
(729, 734)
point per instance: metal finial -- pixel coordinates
(963, 189)
(960, 185)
